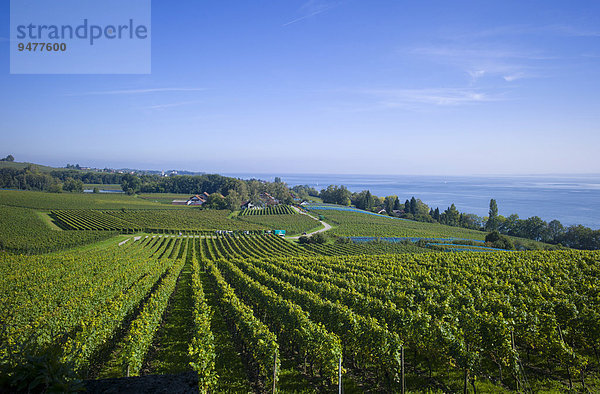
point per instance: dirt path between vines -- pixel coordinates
(326, 226)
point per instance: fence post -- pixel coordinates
(340, 376)
(275, 375)
(402, 368)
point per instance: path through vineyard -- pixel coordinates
(326, 226)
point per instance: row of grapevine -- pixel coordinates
(76, 304)
(22, 230)
(88, 219)
(227, 247)
(347, 249)
(258, 341)
(143, 328)
(506, 315)
(44, 296)
(270, 210)
(99, 325)
(357, 223)
(201, 349)
(367, 345)
(293, 327)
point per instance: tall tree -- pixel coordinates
(397, 204)
(413, 205)
(492, 223)
(389, 204)
(368, 201)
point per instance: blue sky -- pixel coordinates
(388, 87)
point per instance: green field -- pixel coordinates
(292, 224)
(349, 223)
(288, 306)
(23, 230)
(271, 210)
(163, 198)
(350, 249)
(231, 306)
(183, 219)
(101, 186)
(48, 201)
(19, 166)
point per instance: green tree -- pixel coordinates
(535, 228)
(389, 203)
(413, 206)
(233, 200)
(368, 201)
(492, 222)
(215, 201)
(130, 181)
(555, 231)
(397, 204)
(72, 185)
(436, 214)
(497, 240)
(451, 216)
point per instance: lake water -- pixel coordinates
(570, 199)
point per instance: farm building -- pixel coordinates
(194, 200)
(264, 200)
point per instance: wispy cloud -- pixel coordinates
(479, 62)
(137, 91)
(171, 105)
(474, 52)
(432, 96)
(514, 77)
(312, 8)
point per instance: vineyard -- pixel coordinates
(195, 290)
(292, 224)
(352, 223)
(349, 249)
(149, 220)
(264, 312)
(23, 231)
(270, 210)
(49, 201)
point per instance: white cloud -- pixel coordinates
(433, 96)
(138, 91)
(312, 8)
(171, 105)
(514, 77)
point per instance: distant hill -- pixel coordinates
(42, 168)
(19, 166)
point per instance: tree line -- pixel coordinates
(225, 192)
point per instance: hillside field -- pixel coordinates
(114, 285)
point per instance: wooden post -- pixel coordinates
(340, 376)
(275, 375)
(514, 348)
(402, 368)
